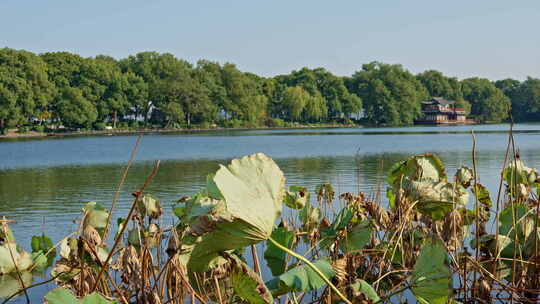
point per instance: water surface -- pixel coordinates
(44, 182)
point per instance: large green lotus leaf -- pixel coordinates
(276, 259)
(356, 238)
(341, 221)
(43, 252)
(10, 284)
(431, 279)
(516, 217)
(243, 213)
(301, 278)
(247, 284)
(296, 197)
(363, 287)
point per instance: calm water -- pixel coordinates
(43, 182)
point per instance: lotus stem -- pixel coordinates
(313, 267)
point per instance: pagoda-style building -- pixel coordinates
(440, 111)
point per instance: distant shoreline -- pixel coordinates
(33, 134)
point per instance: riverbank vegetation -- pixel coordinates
(437, 239)
(42, 92)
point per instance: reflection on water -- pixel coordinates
(44, 182)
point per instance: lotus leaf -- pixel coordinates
(65, 296)
(150, 235)
(238, 208)
(516, 217)
(363, 287)
(96, 215)
(425, 169)
(10, 284)
(41, 243)
(357, 237)
(301, 279)
(418, 167)
(247, 284)
(296, 197)
(517, 173)
(482, 195)
(67, 245)
(432, 278)
(11, 256)
(276, 259)
(464, 176)
(150, 206)
(310, 217)
(436, 198)
(341, 221)
(40, 261)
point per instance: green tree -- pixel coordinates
(173, 113)
(526, 100)
(137, 95)
(339, 102)
(75, 110)
(245, 99)
(439, 85)
(153, 68)
(181, 88)
(295, 100)
(391, 95)
(488, 103)
(25, 89)
(315, 109)
(510, 88)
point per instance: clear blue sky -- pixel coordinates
(488, 38)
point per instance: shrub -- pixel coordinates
(23, 130)
(100, 126)
(39, 128)
(122, 125)
(275, 123)
(134, 124)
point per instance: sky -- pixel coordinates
(462, 38)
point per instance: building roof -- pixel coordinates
(439, 100)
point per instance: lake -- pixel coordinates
(44, 182)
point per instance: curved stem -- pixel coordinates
(313, 267)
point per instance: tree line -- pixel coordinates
(151, 89)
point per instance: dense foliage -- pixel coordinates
(150, 89)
